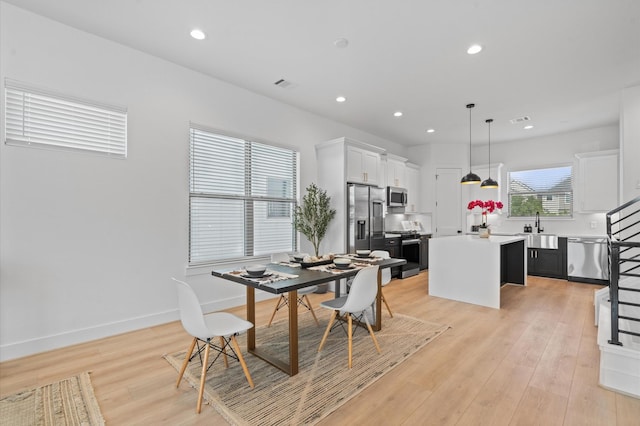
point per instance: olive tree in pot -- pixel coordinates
(312, 217)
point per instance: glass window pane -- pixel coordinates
(547, 191)
(217, 229)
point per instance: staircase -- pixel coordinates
(618, 306)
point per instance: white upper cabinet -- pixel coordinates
(363, 166)
(396, 171)
(597, 181)
(412, 175)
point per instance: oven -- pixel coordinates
(410, 251)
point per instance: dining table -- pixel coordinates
(289, 278)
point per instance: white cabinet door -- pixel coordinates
(598, 181)
(412, 189)
(371, 167)
(396, 173)
(362, 166)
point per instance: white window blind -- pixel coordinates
(37, 118)
(548, 191)
(242, 196)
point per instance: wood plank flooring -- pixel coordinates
(535, 361)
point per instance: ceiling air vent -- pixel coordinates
(283, 83)
(520, 119)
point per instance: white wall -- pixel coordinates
(630, 143)
(532, 153)
(87, 244)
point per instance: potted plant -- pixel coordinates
(487, 207)
(312, 217)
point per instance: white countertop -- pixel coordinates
(493, 239)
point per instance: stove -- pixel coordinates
(409, 251)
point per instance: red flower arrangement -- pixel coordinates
(487, 207)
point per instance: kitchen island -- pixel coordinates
(471, 269)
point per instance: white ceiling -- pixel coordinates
(561, 62)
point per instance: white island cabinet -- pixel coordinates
(471, 269)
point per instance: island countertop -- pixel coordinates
(471, 269)
(493, 239)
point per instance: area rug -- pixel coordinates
(324, 382)
(68, 402)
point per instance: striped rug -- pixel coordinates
(68, 402)
(324, 382)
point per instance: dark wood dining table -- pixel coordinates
(305, 278)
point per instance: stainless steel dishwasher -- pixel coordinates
(588, 260)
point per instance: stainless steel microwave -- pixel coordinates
(396, 197)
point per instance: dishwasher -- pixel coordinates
(588, 260)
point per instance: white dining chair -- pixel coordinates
(205, 329)
(362, 294)
(385, 275)
(283, 300)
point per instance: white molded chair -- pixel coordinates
(362, 294)
(385, 273)
(283, 300)
(205, 328)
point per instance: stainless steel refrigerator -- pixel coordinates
(365, 216)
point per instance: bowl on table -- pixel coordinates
(256, 270)
(299, 257)
(363, 253)
(342, 262)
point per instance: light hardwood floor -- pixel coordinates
(535, 361)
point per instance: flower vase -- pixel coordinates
(483, 232)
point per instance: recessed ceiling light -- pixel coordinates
(341, 99)
(528, 127)
(198, 34)
(430, 130)
(474, 49)
(397, 114)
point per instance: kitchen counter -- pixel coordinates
(471, 269)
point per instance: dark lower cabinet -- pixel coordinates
(392, 245)
(424, 251)
(551, 263)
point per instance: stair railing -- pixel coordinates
(623, 230)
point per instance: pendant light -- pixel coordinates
(470, 178)
(489, 183)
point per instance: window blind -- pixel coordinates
(242, 197)
(548, 191)
(37, 118)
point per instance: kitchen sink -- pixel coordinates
(541, 241)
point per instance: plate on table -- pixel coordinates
(368, 255)
(316, 263)
(342, 268)
(265, 275)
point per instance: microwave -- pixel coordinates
(396, 197)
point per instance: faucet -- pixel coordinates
(537, 223)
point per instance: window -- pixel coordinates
(37, 118)
(548, 191)
(242, 197)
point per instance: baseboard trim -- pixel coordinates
(33, 346)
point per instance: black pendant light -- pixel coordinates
(489, 183)
(470, 178)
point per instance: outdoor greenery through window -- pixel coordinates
(547, 191)
(242, 197)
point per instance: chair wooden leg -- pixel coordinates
(373, 336)
(234, 342)
(186, 360)
(350, 334)
(387, 305)
(224, 352)
(203, 376)
(311, 309)
(275, 310)
(326, 332)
